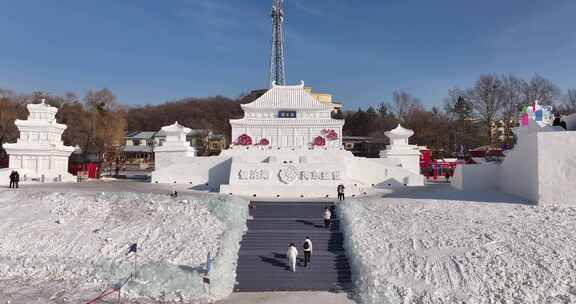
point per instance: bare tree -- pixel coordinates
(512, 96)
(101, 100)
(570, 105)
(403, 106)
(541, 89)
(106, 125)
(12, 107)
(486, 99)
(456, 106)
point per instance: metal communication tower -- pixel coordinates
(276, 73)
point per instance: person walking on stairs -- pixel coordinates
(340, 190)
(327, 216)
(292, 255)
(307, 248)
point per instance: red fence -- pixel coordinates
(112, 295)
(91, 169)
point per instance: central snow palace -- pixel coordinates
(286, 146)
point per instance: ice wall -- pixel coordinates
(541, 168)
(557, 168)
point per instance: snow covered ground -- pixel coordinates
(65, 247)
(437, 245)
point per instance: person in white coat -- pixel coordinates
(327, 215)
(307, 248)
(292, 255)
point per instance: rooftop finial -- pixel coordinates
(43, 100)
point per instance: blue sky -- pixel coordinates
(361, 51)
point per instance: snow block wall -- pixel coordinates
(541, 168)
(382, 173)
(557, 168)
(260, 172)
(519, 171)
(202, 173)
(476, 177)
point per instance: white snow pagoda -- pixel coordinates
(39, 153)
(288, 146)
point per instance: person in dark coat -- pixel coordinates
(340, 190)
(558, 122)
(12, 179)
(16, 178)
(307, 248)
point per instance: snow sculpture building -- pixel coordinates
(174, 146)
(39, 153)
(288, 146)
(400, 149)
(287, 117)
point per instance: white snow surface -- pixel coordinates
(71, 246)
(437, 246)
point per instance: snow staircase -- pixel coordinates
(262, 265)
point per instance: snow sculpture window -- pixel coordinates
(286, 114)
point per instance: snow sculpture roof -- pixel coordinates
(42, 111)
(287, 97)
(175, 132)
(399, 132)
(175, 128)
(175, 141)
(399, 135)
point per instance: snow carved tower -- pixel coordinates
(39, 153)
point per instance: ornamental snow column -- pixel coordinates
(175, 147)
(39, 153)
(408, 155)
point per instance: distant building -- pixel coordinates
(499, 136)
(324, 98)
(138, 152)
(215, 145)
